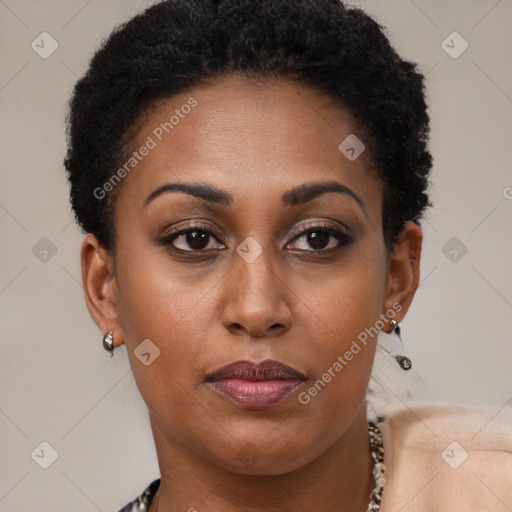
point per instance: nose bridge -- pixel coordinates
(255, 272)
(257, 299)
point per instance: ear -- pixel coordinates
(99, 282)
(403, 270)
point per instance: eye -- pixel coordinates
(192, 239)
(321, 237)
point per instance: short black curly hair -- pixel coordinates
(175, 45)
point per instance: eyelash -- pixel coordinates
(343, 238)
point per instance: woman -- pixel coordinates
(250, 176)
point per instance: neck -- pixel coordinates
(339, 479)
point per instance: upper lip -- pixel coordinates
(269, 369)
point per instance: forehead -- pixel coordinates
(240, 112)
(239, 134)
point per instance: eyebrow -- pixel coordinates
(298, 195)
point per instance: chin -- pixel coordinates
(263, 458)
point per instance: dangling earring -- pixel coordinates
(403, 361)
(108, 342)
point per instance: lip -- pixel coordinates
(256, 385)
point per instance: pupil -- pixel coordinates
(197, 239)
(318, 239)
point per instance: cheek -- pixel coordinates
(159, 300)
(345, 332)
(171, 309)
(349, 298)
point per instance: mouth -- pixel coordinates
(256, 385)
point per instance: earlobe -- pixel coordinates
(404, 269)
(99, 285)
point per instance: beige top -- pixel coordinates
(441, 457)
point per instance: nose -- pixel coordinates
(256, 298)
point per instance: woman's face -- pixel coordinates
(248, 282)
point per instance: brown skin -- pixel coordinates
(293, 304)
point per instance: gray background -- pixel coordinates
(56, 382)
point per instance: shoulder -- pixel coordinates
(451, 456)
(432, 422)
(141, 503)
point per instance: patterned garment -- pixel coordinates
(142, 502)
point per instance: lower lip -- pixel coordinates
(256, 394)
